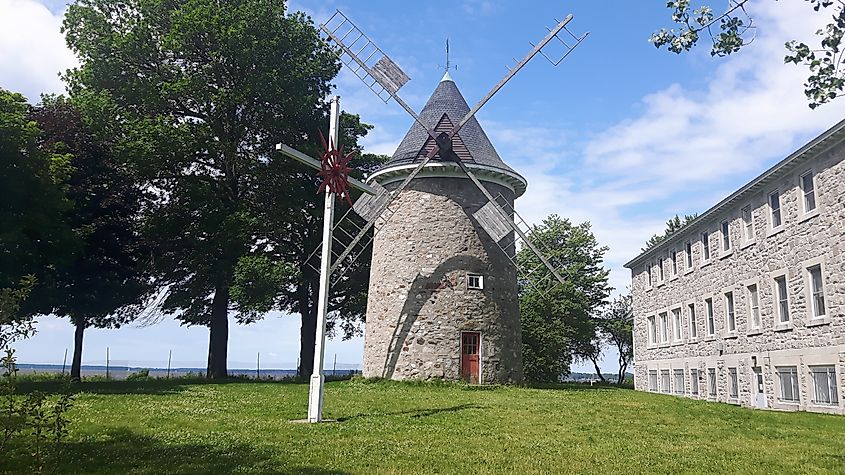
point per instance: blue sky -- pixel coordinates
(620, 134)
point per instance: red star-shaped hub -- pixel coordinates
(335, 170)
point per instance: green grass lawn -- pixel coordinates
(386, 427)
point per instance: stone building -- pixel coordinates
(745, 304)
(443, 296)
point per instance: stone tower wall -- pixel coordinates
(418, 301)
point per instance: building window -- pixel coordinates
(688, 254)
(711, 325)
(783, 299)
(754, 305)
(711, 383)
(824, 384)
(475, 281)
(808, 188)
(664, 381)
(726, 236)
(674, 262)
(652, 381)
(660, 270)
(705, 246)
(664, 328)
(748, 223)
(648, 270)
(679, 381)
(693, 325)
(788, 376)
(774, 206)
(816, 291)
(676, 324)
(733, 383)
(730, 316)
(693, 379)
(652, 331)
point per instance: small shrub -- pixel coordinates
(142, 374)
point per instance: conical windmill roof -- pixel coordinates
(445, 108)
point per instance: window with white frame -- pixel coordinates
(726, 236)
(705, 246)
(782, 295)
(648, 269)
(711, 383)
(711, 324)
(693, 324)
(475, 281)
(693, 380)
(652, 331)
(688, 254)
(664, 381)
(814, 275)
(754, 305)
(788, 379)
(660, 276)
(774, 208)
(674, 262)
(664, 328)
(824, 385)
(808, 189)
(733, 383)
(676, 324)
(748, 223)
(652, 380)
(730, 315)
(679, 381)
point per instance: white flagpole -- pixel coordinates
(315, 393)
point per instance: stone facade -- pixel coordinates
(419, 303)
(805, 337)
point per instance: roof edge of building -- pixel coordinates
(823, 142)
(507, 178)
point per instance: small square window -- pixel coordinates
(789, 391)
(824, 385)
(475, 281)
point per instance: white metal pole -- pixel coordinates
(315, 393)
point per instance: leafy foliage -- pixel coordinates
(556, 318)
(616, 326)
(733, 29)
(672, 226)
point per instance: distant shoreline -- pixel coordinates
(122, 371)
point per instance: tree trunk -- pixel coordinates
(307, 338)
(218, 334)
(76, 364)
(623, 367)
(598, 370)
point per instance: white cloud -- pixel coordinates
(32, 49)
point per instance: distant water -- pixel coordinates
(121, 372)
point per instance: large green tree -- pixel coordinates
(673, 225)
(557, 317)
(732, 28)
(105, 281)
(204, 89)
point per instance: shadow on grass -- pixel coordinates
(126, 452)
(414, 413)
(579, 386)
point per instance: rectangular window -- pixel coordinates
(693, 379)
(733, 383)
(674, 262)
(817, 290)
(648, 271)
(774, 207)
(676, 324)
(688, 254)
(783, 299)
(754, 305)
(824, 385)
(679, 381)
(705, 246)
(664, 381)
(475, 281)
(726, 236)
(808, 188)
(652, 381)
(711, 383)
(730, 316)
(660, 270)
(711, 325)
(788, 377)
(748, 223)
(664, 328)
(652, 331)
(693, 325)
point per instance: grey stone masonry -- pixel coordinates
(418, 301)
(775, 284)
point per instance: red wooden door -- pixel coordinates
(470, 345)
